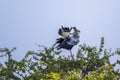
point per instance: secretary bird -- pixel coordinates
(68, 39)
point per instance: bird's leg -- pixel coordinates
(71, 55)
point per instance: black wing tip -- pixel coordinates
(60, 31)
(59, 40)
(65, 29)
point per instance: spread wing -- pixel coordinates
(64, 31)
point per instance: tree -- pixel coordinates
(89, 63)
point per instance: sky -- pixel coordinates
(24, 23)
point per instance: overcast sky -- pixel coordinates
(24, 23)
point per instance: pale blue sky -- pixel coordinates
(23, 23)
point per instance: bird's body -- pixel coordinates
(73, 40)
(65, 44)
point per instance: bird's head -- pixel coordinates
(75, 29)
(76, 32)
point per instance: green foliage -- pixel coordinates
(89, 63)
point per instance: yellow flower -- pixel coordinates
(95, 72)
(73, 75)
(41, 63)
(110, 67)
(101, 75)
(90, 76)
(53, 76)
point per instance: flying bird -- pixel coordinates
(68, 38)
